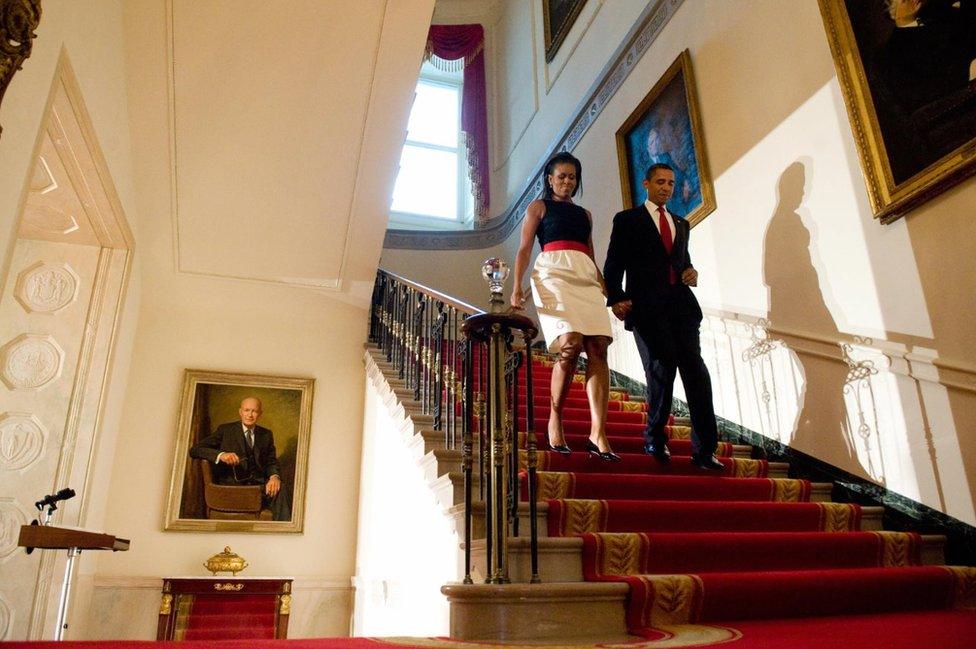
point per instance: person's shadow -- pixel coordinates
(796, 304)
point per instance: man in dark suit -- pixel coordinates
(244, 453)
(650, 246)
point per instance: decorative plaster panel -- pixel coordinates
(30, 361)
(21, 440)
(46, 287)
(11, 518)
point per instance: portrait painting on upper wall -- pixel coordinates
(666, 128)
(558, 17)
(241, 453)
(907, 70)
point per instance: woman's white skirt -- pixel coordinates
(567, 295)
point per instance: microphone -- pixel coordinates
(64, 494)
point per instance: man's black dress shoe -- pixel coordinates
(661, 452)
(562, 449)
(709, 462)
(595, 451)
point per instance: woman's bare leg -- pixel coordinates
(570, 346)
(597, 388)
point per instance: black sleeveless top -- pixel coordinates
(563, 222)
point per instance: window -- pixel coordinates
(432, 188)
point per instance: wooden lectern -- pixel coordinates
(48, 537)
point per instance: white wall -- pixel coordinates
(792, 241)
(408, 547)
(201, 181)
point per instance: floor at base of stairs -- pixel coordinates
(909, 630)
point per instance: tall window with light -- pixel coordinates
(432, 189)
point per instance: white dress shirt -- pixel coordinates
(655, 217)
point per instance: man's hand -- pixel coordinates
(229, 458)
(273, 486)
(622, 309)
(690, 276)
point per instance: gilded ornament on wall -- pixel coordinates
(18, 20)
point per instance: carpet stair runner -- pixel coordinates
(730, 547)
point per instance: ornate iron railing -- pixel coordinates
(463, 366)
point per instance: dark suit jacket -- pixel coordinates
(229, 438)
(636, 250)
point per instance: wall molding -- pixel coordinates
(496, 230)
(919, 363)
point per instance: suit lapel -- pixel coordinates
(680, 237)
(646, 221)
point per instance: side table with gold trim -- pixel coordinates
(224, 608)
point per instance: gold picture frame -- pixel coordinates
(558, 17)
(909, 151)
(666, 127)
(212, 400)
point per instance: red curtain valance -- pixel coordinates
(465, 45)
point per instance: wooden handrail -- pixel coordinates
(464, 307)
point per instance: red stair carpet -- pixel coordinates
(735, 554)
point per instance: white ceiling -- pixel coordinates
(285, 129)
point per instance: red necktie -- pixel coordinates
(668, 240)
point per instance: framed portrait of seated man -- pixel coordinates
(907, 71)
(241, 457)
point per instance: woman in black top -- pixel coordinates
(567, 288)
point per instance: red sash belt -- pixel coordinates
(566, 245)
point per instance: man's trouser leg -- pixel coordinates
(698, 390)
(659, 371)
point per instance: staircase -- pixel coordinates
(681, 555)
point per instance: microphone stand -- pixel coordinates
(62, 624)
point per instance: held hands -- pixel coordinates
(622, 309)
(690, 276)
(273, 486)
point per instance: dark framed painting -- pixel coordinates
(665, 127)
(905, 69)
(558, 17)
(241, 457)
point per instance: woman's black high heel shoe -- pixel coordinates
(595, 451)
(562, 449)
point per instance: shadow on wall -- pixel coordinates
(796, 303)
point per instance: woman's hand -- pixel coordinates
(518, 299)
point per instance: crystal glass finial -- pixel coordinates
(495, 272)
